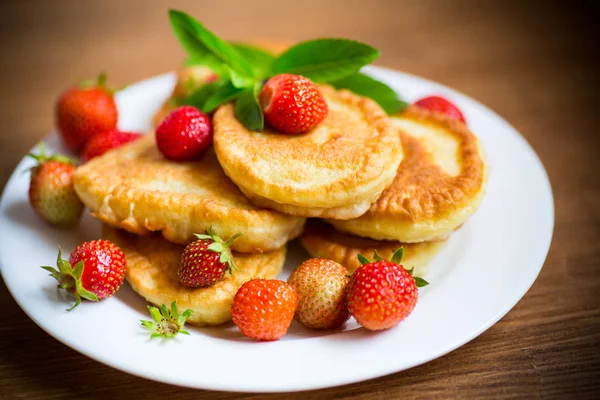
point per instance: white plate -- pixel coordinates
(480, 275)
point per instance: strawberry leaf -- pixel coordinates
(420, 282)
(325, 60)
(398, 256)
(166, 323)
(248, 111)
(363, 260)
(203, 45)
(364, 85)
(376, 256)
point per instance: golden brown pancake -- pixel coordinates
(439, 184)
(152, 264)
(336, 170)
(324, 241)
(137, 189)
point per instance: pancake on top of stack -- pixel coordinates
(439, 184)
(336, 170)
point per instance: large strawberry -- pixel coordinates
(382, 293)
(102, 142)
(85, 110)
(321, 285)
(292, 103)
(263, 309)
(95, 271)
(51, 191)
(204, 261)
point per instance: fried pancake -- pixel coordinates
(135, 188)
(189, 79)
(152, 264)
(324, 241)
(439, 184)
(336, 170)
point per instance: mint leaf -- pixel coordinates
(206, 47)
(247, 109)
(364, 85)
(325, 60)
(199, 97)
(260, 60)
(223, 94)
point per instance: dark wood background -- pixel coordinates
(535, 63)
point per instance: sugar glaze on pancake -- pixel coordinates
(336, 170)
(152, 264)
(135, 188)
(439, 184)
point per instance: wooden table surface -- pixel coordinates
(535, 63)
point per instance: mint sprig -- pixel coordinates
(325, 60)
(242, 69)
(364, 85)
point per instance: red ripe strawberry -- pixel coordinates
(441, 105)
(263, 309)
(100, 143)
(204, 262)
(382, 293)
(184, 134)
(82, 112)
(322, 287)
(95, 271)
(51, 192)
(292, 103)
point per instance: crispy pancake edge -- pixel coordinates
(442, 206)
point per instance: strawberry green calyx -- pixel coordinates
(396, 259)
(167, 323)
(42, 157)
(69, 279)
(99, 83)
(222, 247)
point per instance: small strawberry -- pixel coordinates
(441, 105)
(83, 111)
(95, 271)
(167, 323)
(263, 309)
(382, 293)
(184, 134)
(100, 143)
(322, 286)
(204, 261)
(51, 192)
(292, 103)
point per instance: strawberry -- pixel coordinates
(321, 286)
(51, 192)
(204, 261)
(382, 293)
(100, 143)
(83, 111)
(292, 103)
(95, 271)
(440, 104)
(263, 309)
(184, 134)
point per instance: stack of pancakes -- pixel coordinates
(367, 181)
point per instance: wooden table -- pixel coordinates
(534, 63)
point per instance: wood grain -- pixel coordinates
(533, 62)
